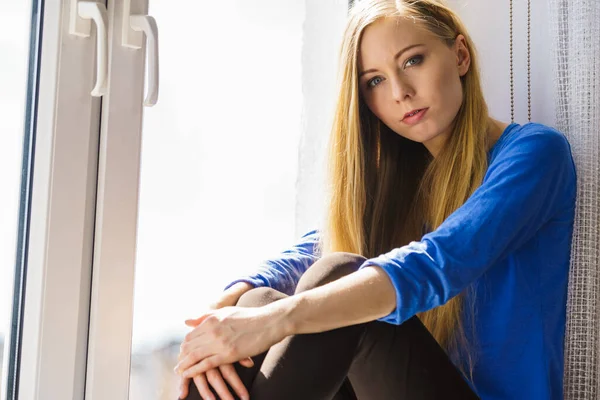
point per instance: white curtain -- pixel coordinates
(576, 44)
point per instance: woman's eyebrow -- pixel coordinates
(398, 54)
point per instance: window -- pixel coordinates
(14, 31)
(219, 164)
(46, 346)
(119, 233)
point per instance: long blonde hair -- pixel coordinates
(383, 188)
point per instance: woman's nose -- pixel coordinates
(401, 90)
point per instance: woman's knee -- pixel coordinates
(329, 268)
(259, 297)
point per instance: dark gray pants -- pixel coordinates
(369, 361)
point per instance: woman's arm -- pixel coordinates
(530, 182)
(365, 295)
(233, 333)
(526, 185)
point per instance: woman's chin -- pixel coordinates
(419, 133)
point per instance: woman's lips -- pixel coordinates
(413, 119)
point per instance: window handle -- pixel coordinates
(133, 26)
(82, 13)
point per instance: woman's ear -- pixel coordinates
(463, 56)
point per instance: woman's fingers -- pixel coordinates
(184, 387)
(230, 374)
(203, 389)
(217, 382)
(192, 352)
(247, 362)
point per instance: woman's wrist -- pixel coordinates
(281, 316)
(240, 288)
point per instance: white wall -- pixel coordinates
(488, 24)
(323, 28)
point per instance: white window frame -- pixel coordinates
(111, 316)
(60, 223)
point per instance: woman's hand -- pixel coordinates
(230, 334)
(217, 376)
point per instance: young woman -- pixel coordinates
(441, 271)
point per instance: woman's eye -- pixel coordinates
(413, 61)
(374, 82)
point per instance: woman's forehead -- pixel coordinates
(382, 40)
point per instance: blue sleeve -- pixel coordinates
(283, 272)
(528, 182)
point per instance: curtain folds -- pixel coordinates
(576, 46)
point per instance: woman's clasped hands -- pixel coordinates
(222, 336)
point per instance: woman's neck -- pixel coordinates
(495, 131)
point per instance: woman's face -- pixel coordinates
(404, 68)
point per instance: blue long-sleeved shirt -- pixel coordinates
(511, 240)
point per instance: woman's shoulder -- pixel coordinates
(540, 130)
(540, 140)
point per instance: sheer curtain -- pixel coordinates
(576, 44)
